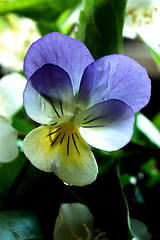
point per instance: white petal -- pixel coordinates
(140, 230)
(8, 137)
(71, 220)
(11, 94)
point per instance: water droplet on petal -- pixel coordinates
(67, 183)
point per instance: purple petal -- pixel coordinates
(49, 94)
(61, 50)
(107, 125)
(115, 77)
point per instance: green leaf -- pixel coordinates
(56, 26)
(8, 175)
(40, 10)
(22, 225)
(21, 122)
(100, 26)
(156, 120)
(151, 169)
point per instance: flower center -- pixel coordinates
(100, 236)
(65, 132)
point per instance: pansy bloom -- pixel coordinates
(78, 101)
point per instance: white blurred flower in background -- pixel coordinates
(76, 222)
(17, 34)
(11, 100)
(8, 137)
(140, 230)
(143, 20)
(11, 93)
(73, 222)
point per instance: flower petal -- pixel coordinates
(62, 151)
(61, 50)
(115, 77)
(8, 137)
(107, 125)
(72, 220)
(49, 94)
(140, 230)
(11, 93)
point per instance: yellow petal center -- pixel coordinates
(65, 133)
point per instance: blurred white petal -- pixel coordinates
(8, 137)
(139, 3)
(16, 37)
(140, 230)
(150, 35)
(71, 220)
(11, 93)
(148, 129)
(142, 19)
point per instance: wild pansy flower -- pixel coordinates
(11, 100)
(79, 101)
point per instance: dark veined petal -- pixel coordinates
(61, 149)
(115, 77)
(107, 125)
(49, 95)
(60, 50)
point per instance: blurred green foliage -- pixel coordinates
(39, 10)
